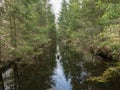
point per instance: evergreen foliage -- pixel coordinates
(25, 26)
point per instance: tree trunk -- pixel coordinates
(0, 49)
(14, 33)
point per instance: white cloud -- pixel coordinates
(56, 7)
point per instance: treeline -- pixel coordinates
(92, 24)
(26, 27)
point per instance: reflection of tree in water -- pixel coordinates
(37, 76)
(78, 69)
(1, 81)
(74, 69)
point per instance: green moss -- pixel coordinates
(110, 75)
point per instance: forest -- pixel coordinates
(25, 28)
(84, 43)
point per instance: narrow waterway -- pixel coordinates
(60, 68)
(59, 79)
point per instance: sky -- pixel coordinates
(1, 1)
(56, 7)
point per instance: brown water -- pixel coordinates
(57, 69)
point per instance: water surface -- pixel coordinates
(60, 68)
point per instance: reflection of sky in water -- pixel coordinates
(59, 78)
(60, 82)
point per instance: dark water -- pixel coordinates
(57, 69)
